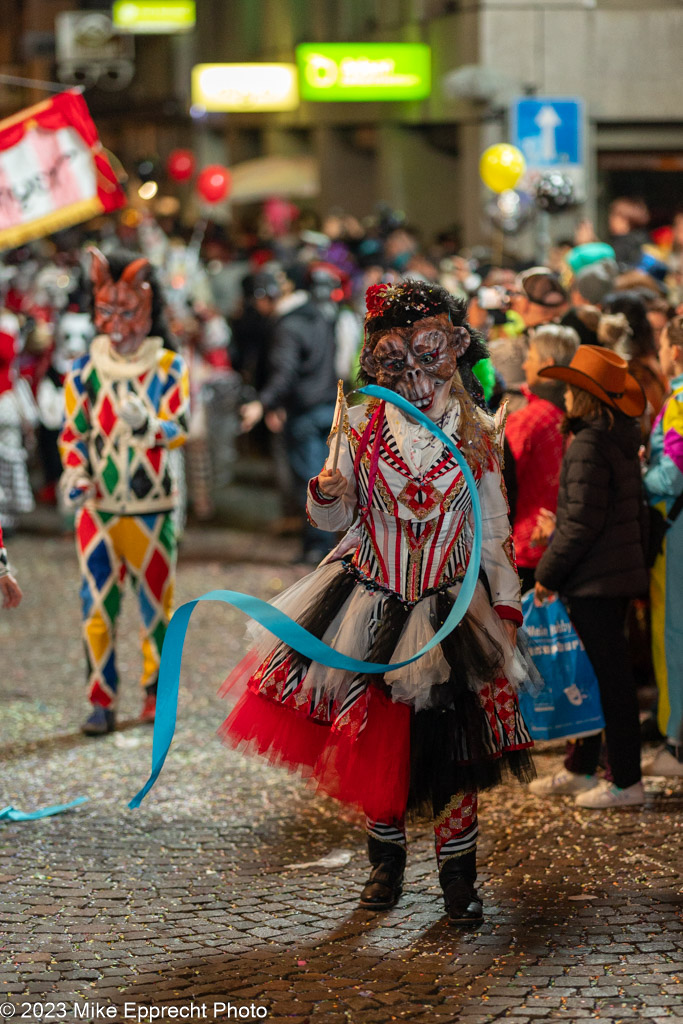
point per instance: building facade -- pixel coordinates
(620, 57)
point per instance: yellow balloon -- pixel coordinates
(501, 166)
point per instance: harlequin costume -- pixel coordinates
(433, 733)
(126, 406)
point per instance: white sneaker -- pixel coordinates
(664, 764)
(606, 794)
(563, 783)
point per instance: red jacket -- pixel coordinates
(537, 445)
(7, 354)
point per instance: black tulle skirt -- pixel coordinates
(405, 740)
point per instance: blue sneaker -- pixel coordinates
(100, 722)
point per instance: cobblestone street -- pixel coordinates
(235, 888)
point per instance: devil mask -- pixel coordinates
(411, 344)
(123, 308)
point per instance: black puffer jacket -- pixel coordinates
(302, 373)
(596, 550)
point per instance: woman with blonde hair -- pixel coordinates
(535, 441)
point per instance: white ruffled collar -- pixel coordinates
(418, 447)
(105, 358)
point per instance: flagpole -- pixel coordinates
(33, 83)
(341, 401)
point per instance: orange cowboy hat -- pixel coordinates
(604, 374)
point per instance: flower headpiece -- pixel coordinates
(401, 305)
(375, 298)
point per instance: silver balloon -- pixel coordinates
(510, 210)
(554, 192)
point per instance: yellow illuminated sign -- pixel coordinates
(245, 87)
(154, 17)
(339, 72)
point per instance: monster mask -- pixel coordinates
(412, 347)
(123, 308)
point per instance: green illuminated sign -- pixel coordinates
(339, 72)
(154, 17)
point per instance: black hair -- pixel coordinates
(262, 282)
(297, 273)
(573, 318)
(632, 305)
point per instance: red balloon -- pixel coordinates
(180, 164)
(213, 183)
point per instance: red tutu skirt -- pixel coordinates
(370, 771)
(345, 733)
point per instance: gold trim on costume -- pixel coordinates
(460, 853)
(393, 842)
(452, 805)
(416, 544)
(386, 494)
(508, 547)
(449, 498)
(421, 513)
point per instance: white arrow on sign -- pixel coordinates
(547, 120)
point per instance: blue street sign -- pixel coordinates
(549, 131)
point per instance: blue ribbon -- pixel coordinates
(289, 631)
(12, 814)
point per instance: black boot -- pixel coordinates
(457, 877)
(385, 884)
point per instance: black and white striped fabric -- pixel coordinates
(394, 833)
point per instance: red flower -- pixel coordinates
(374, 298)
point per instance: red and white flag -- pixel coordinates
(53, 170)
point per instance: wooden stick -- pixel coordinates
(341, 400)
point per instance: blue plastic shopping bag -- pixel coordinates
(569, 703)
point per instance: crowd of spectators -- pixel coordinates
(282, 307)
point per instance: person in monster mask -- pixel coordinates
(126, 406)
(431, 734)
